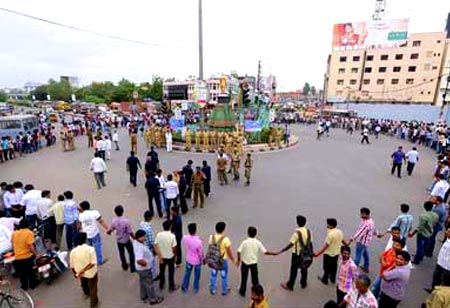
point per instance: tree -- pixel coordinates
(306, 89)
(3, 96)
(124, 91)
(157, 89)
(41, 92)
(313, 91)
(59, 90)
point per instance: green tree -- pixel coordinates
(157, 89)
(3, 96)
(313, 91)
(306, 89)
(124, 91)
(41, 92)
(94, 99)
(145, 90)
(59, 90)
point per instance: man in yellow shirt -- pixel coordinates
(331, 251)
(258, 298)
(24, 253)
(296, 246)
(83, 263)
(226, 252)
(57, 210)
(440, 297)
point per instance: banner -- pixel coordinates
(176, 124)
(371, 33)
(252, 126)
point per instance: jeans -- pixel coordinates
(429, 248)
(294, 271)
(152, 196)
(100, 179)
(90, 288)
(59, 234)
(340, 295)
(146, 285)
(32, 221)
(438, 275)
(244, 275)
(169, 204)
(410, 167)
(96, 242)
(397, 166)
(27, 274)
(223, 275)
(8, 212)
(421, 244)
(330, 265)
(162, 271)
(129, 247)
(71, 234)
(362, 251)
(376, 287)
(386, 301)
(117, 145)
(187, 276)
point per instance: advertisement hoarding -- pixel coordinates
(371, 33)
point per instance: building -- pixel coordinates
(72, 80)
(408, 73)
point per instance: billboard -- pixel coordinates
(366, 34)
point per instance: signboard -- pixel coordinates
(177, 113)
(176, 124)
(365, 34)
(252, 126)
(184, 106)
(201, 93)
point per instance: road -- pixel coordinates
(333, 177)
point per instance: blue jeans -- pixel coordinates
(362, 251)
(432, 241)
(376, 287)
(8, 212)
(96, 242)
(71, 235)
(187, 277)
(421, 244)
(223, 275)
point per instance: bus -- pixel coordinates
(14, 124)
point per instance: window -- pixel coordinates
(421, 92)
(429, 92)
(434, 68)
(340, 82)
(411, 68)
(398, 56)
(341, 71)
(380, 81)
(416, 43)
(352, 81)
(384, 57)
(397, 69)
(356, 58)
(438, 42)
(369, 58)
(343, 59)
(410, 81)
(368, 70)
(382, 69)
(354, 70)
(394, 81)
(366, 81)
(414, 56)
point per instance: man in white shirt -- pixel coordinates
(172, 192)
(88, 219)
(412, 157)
(48, 221)
(29, 201)
(101, 148)
(115, 139)
(440, 188)
(248, 253)
(162, 191)
(169, 140)
(11, 201)
(143, 262)
(108, 147)
(98, 166)
(5, 239)
(443, 262)
(166, 248)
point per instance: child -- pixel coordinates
(123, 230)
(258, 298)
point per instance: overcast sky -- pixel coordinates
(292, 38)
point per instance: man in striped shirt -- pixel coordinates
(363, 237)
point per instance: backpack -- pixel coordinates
(305, 258)
(214, 258)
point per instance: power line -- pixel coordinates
(54, 23)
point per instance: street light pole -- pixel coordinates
(200, 40)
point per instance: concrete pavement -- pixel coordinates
(332, 177)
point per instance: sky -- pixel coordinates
(292, 38)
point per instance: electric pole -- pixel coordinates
(200, 40)
(258, 78)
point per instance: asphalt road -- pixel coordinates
(333, 177)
